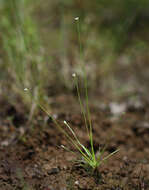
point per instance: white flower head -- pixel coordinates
(65, 122)
(76, 182)
(74, 75)
(62, 146)
(25, 89)
(76, 18)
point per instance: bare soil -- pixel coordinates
(33, 159)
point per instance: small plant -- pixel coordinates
(89, 158)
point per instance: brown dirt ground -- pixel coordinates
(33, 160)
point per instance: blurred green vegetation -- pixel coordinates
(39, 45)
(22, 56)
(114, 37)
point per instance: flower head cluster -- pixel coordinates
(76, 18)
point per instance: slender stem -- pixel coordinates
(86, 92)
(75, 143)
(79, 39)
(81, 104)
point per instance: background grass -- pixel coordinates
(39, 46)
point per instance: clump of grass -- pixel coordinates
(89, 157)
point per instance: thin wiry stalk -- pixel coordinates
(66, 134)
(109, 155)
(77, 140)
(79, 38)
(86, 93)
(89, 131)
(81, 105)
